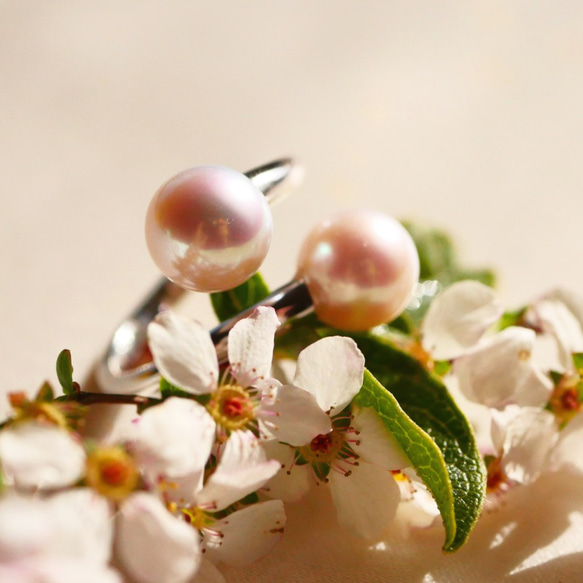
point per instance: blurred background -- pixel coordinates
(462, 115)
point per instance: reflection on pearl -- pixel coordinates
(208, 228)
(360, 267)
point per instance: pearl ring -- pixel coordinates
(209, 229)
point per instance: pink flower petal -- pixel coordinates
(500, 371)
(173, 439)
(374, 442)
(153, 545)
(251, 346)
(293, 415)
(183, 353)
(242, 469)
(41, 456)
(332, 370)
(366, 501)
(248, 534)
(458, 318)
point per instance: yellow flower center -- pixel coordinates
(112, 472)
(231, 407)
(564, 401)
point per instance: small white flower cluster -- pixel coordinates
(198, 479)
(522, 379)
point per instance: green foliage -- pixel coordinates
(417, 445)
(231, 302)
(511, 318)
(65, 373)
(438, 259)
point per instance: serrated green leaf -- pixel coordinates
(428, 403)
(417, 445)
(65, 372)
(231, 302)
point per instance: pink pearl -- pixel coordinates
(208, 228)
(360, 267)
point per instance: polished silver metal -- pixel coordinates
(127, 366)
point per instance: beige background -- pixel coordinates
(466, 115)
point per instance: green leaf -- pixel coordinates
(65, 372)
(231, 302)
(428, 403)
(417, 445)
(45, 393)
(510, 318)
(438, 257)
(578, 361)
(556, 377)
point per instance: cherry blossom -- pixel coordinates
(38, 455)
(64, 538)
(495, 369)
(191, 481)
(356, 456)
(245, 397)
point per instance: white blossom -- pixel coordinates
(357, 454)
(40, 456)
(246, 397)
(63, 538)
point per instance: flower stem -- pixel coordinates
(87, 398)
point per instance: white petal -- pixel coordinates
(153, 545)
(242, 469)
(293, 415)
(292, 482)
(82, 526)
(173, 439)
(553, 317)
(62, 570)
(500, 419)
(528, 440)
(251, 346)
(366, 501)
(332, 370)
(248, 534)
(183, 353)
(375, 443)
(25, 527)
(568, 453)
(458, 318)
(41, 456)
(501, 371)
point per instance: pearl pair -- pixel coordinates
(209, 229)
